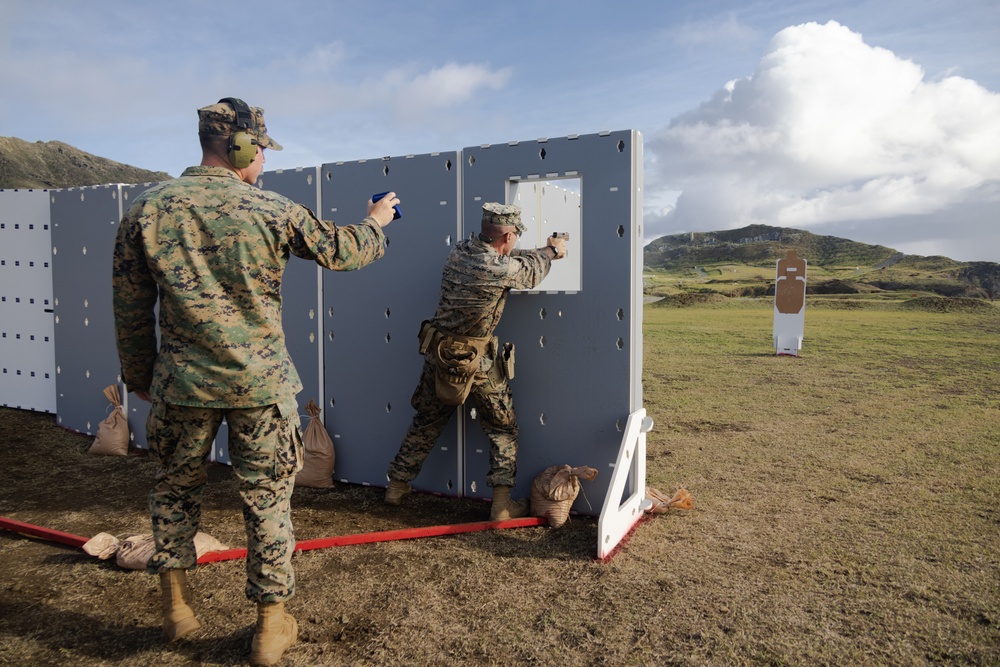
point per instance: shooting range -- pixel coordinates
(353, 335)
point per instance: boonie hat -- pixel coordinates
(220, 118)
(503, 215)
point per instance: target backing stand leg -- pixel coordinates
(620, 514)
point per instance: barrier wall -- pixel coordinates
(352, 335)
(27, 361)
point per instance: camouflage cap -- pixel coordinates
(220, 118)
(503, 215)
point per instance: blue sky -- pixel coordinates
(876, 121)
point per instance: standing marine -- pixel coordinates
(209, 248)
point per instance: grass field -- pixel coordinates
(851, 494)
(847, 513)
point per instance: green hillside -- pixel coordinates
(740, 263)
(53, 164)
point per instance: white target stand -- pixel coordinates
(619, 514)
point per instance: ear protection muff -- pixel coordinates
(242, 144)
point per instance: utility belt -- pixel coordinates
(457, 359)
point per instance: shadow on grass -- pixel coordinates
(78, 633)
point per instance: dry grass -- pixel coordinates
(847, 514)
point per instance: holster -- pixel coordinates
(426, 336)
(506, 360)
(503, 362)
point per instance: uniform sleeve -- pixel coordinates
(134, 299)
(528, 268)
(343, 248)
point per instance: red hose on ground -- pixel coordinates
(44, 533)
(386, 536)
(305, 545)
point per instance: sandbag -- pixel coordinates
(318, 455)
(203, 543)
(554, 489)
(112, 433)
(660, 503)
(102, 545)
(134, 552)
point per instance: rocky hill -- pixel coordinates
(53, 164)
(861, 267)
(762, 244)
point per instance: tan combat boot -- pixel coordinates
(276, 631)
(395, 491)
(178, 617)
(504, 508)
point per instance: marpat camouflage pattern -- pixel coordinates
(475, 283)
(214, 249)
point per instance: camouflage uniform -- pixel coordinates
(475, 284)
(266, 451)
(213, 250)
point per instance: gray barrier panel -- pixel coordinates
(372, 315)
(300, 301)
(84, 224)
(27, 364)
(579, 354)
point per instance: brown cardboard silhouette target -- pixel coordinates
(790, 284)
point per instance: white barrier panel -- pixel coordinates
(27, 362)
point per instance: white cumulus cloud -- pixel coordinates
(447, 86)
(830, 129)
